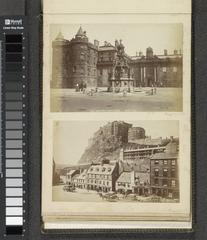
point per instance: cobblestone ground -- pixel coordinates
(165, 99)
(80, 195)
(83, 195)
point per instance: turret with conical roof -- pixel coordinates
(83, 61)
(80, 32)
(59, 37)
(59, 61)
(81, 35)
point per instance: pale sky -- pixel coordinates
(135, 37)
(71, 137)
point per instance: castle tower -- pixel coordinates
(59, 62)
(136, 133)
(83, 60)
(120, 130)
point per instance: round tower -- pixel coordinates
(136, 133)
(59, 62)
(79, 59)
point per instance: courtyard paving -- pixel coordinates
(165, 99)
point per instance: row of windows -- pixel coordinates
(165, 182)
(165, 172)
(101, 59)
(103, 169)
(134, 154)
(123, 184)
(80, 180)
(99, 176)
(165, 162)
(98, 182)
(106, 54)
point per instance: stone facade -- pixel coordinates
(164, 172)
(136, 133)
(79, 62)
(74, 61)
(119, 129)
(102, 177)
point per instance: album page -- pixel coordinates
(116, 148)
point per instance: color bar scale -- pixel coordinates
(13, 124)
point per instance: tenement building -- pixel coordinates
(78, 62)
(102, 177)
(164, 172)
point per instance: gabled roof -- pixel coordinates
(71, 172)
(83, 175)
(125, 177)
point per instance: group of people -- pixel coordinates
(81, 87)
(153, 90)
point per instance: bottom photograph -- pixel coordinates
(115, 161)
(115, 170)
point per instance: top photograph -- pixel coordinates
(116, 67)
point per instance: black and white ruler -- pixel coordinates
(13, 124)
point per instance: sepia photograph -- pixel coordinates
(116, 67)
(116, 161)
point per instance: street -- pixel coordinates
(80, 195)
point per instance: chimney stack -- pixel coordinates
(96, 43)
(165, 52)
(175, 52)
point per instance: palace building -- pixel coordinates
(80, 62)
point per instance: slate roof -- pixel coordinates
(125, 177)
(101, 169)
(71, 172)
(83, 175)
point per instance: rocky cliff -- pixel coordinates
(106, 143)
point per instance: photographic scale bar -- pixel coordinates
(13, 152)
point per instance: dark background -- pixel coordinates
(199, 131)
